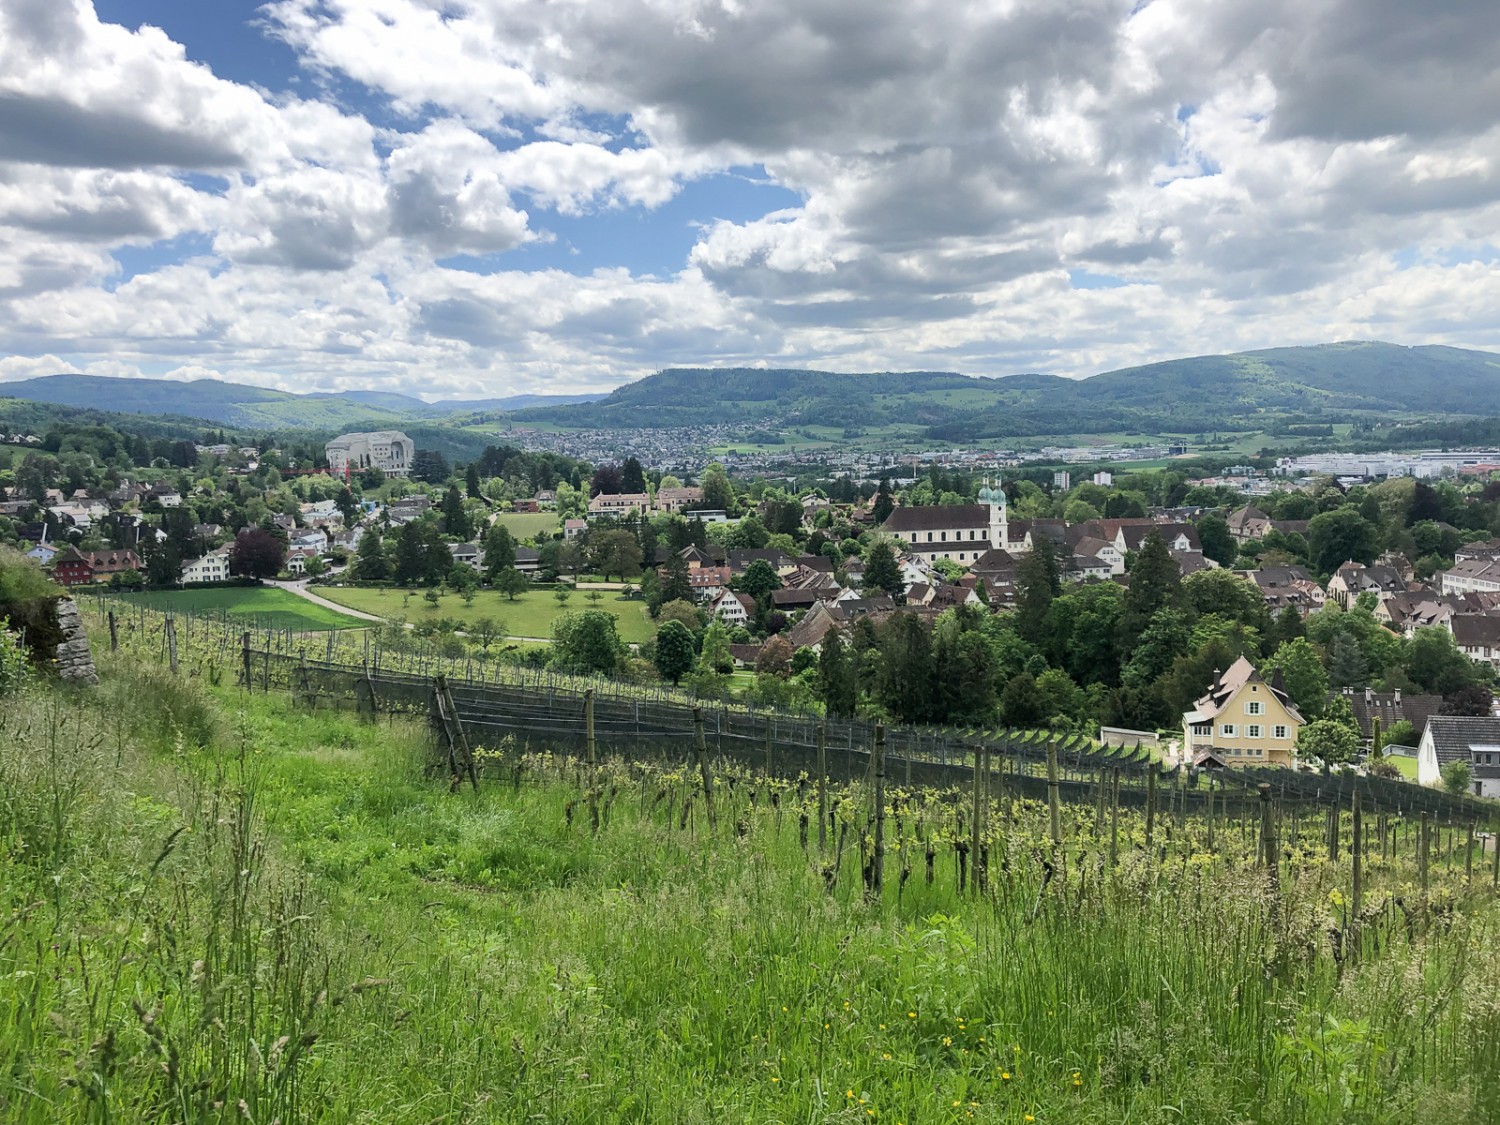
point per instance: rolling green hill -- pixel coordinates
(1251, 388)
(232, 404)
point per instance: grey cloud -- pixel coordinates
(52, 130)
(1374, 68)
(1116, 253)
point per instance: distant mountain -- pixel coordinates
(1250, 389)
(233, 404)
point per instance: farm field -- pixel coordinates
(264, 607)
(530, 615)
(528, 525)
(417, 955)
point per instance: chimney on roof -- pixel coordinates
(1278, 682)
(1397, 700)
(1369, 697)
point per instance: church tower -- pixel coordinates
(994, 496)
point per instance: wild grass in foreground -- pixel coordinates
(222, 908)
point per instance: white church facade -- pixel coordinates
(961, 532)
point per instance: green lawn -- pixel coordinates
(1407, 766)
(264, 606)
(530, 615)
(528, 525)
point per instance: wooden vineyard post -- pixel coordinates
(1495, 858)
(1356, 858)
(1268, 848)
(976, 817)
(822, 787)
(171, 628)
(245, 670)
(768, 749)
(1114, 816)
(700, 748)
(1053, 811)
(1150, 803)
(114, 633)
(1469, 857)
(588, 728)
(877, 869)
(1422, 853)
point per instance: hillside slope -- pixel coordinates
(1184, 394)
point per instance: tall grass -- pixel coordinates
(213, 899)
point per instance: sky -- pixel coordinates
(473, 198)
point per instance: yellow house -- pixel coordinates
(1242, 721)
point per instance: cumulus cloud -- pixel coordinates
(987, 187)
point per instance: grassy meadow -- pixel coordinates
(264, 607)
(528, 525)
(220, 907)
(530, 615)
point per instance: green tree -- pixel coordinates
(1021, 703)
(882, 573)
(471, 481)
(1336, 537)
(674, 585)
(633, 479)
(1435, 663)
(455, 518)
(1457, 777)
(1329, 741)
(758, 581)
(905, 685)
(587, 642)
(675, 651)
(1346, 663)
(1214, 538)
(1155, 582)
(1165, 638)
(370, 561)
(615, 552)
(838, 677)
(884, 505)
(715, 655)
(1302, 673)
(718, 493)
(348, 506)
(511, 582)
(1037, 584)
(421, 556)
(499, 550)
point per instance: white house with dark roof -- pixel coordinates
(1477, 636)
(1473, 575)
(1451, 738)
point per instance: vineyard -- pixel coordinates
(584, 928)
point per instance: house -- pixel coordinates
(744, 656)
(212, 567)
(1283, 586)
(467, 553)
(1473, 575)
(731, 607)
(1248, 523)
(1177, 536)
(1477, 636)
(311, 539)
(1243, 720)
(545, 498)
(1353, 579)
(707, 581)
(1461, 738)
(72, 568)
(696, 557)
(528, 561)
(528, 506)
(616, 504)
(676, 499)
(739, 561)
(297, 559)
(572, 529)
(1390, 707)
(43, 553)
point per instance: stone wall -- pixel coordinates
(75, 662)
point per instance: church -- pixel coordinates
(961, 532)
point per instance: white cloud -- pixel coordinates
(1245, 172)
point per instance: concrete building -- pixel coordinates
(390, 451)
